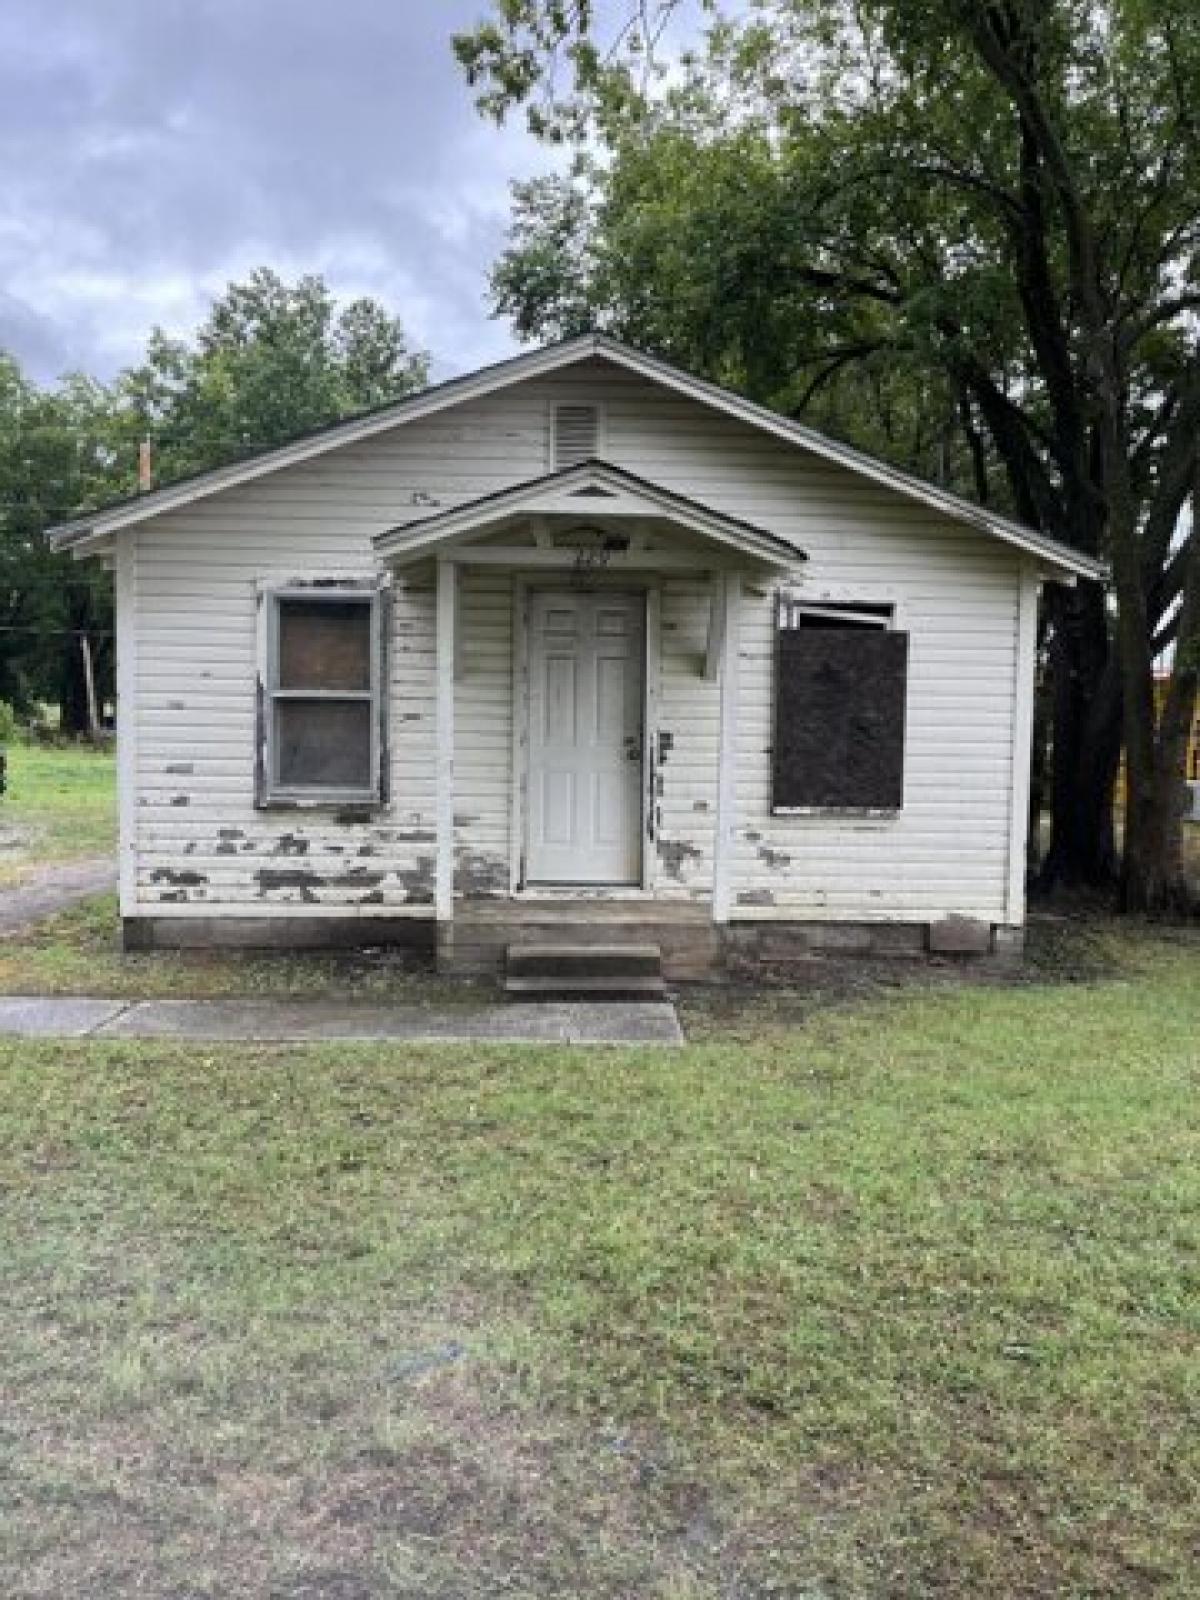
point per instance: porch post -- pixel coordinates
(447, 587)
(725, 830)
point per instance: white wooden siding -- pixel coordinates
(201, 845)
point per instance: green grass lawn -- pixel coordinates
(899, 1299)
(79, 952)
(60, 803)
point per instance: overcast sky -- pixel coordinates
(154, 149)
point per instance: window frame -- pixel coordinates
(373, 593)
(881, 607)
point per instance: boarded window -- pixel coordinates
(840, 693)
(575, 436)
(324, 644)
(322, 697)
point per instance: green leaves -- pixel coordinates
(272, 360)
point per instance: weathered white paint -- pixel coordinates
(715, 645)
(530, 558)
(201, 846)
(446, 655)
(572, 357)
(1022, 743)
(518, 774)
(125, 564)
(650, 730)
(594, 492)
(724, 841)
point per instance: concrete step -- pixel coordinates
(613, 988)
(559, 960)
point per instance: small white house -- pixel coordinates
(576, 641)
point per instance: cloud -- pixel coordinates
(154, 151)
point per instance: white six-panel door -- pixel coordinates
(587, 656)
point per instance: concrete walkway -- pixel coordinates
(53, 889)
(322, 1021)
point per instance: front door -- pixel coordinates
(587, 656)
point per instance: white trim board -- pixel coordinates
(726, 820)
(1022, 746)
(447, 614)
(127, 722)
(87, 533)
(594, 491)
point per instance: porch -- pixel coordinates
(476, 939)
(564, 711)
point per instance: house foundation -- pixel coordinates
(695, 949)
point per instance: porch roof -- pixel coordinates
(595, 491)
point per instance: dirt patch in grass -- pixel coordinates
(79, 952)
(1061, 947)
(326, 1477)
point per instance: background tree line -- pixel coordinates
(271, 361)
(964, 234)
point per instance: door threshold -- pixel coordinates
(576, 891)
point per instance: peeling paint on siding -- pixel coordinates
(480, 875)
(274, 878)
(775, 859)
(961, 608)
(358, 878)
(417, 882)
(675, 855)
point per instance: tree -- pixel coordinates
(981, 217)
(272, 360)
(55, 614)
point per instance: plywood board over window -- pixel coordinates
(840, 696)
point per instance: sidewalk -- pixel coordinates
(322, 1021)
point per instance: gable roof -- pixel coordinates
(597, 488)
(97, 525)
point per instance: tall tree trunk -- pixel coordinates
(89, 683)
(72, 693)
(1154, 878)
(1086, 736)
(73, 708)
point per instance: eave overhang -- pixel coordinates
(594, 492)
(1052, 558)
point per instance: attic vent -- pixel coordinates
(575, 435)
